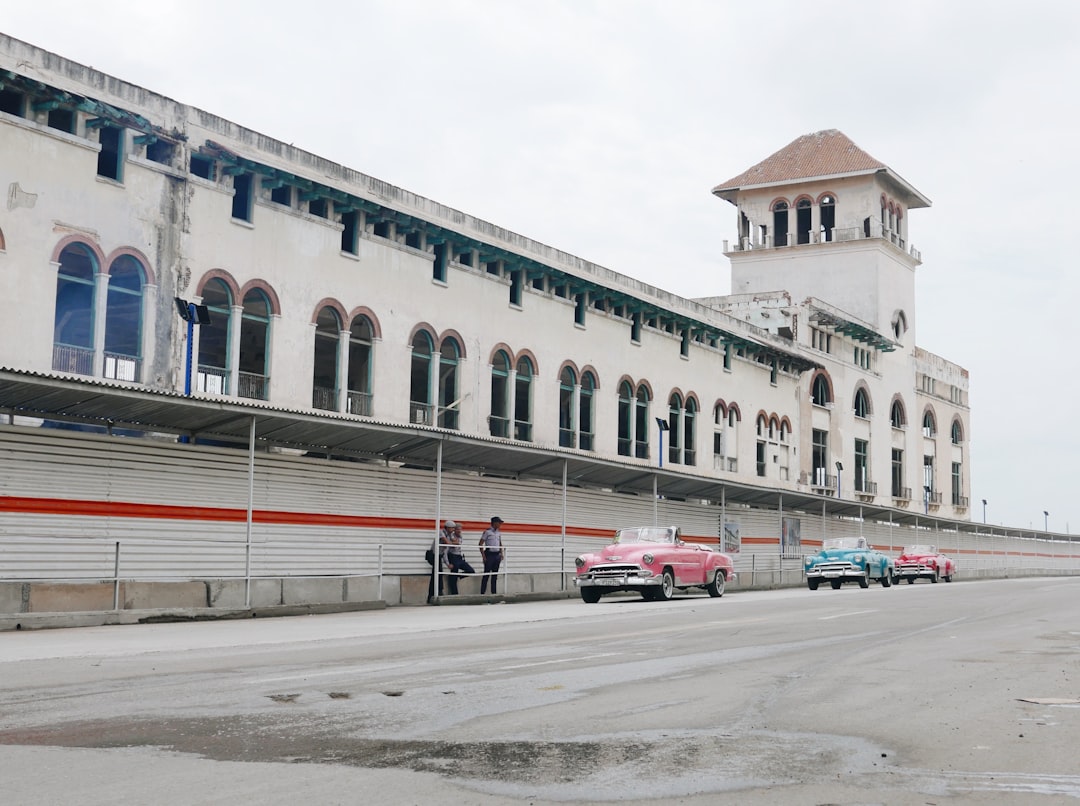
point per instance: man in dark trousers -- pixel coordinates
(492, 550)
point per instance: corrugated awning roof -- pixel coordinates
(118, 405)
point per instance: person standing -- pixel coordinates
(438, 554)
(492, 549)
(455, 559)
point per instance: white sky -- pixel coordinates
(600, 126)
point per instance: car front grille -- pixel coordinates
(836, 566)
(614, 570)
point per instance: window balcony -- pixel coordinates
(865, 490)
(448, 418)
(499, 427)
(421, 413)
(253, 386)
(122, 367)
(212, 380)
(324, 398)
(76, 360)
(358, 403)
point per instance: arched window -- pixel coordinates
(523, 400)
(449, 356)
(254, 377)
(328, 329)
(567, 382)
(124, 319)
(585, 411)
(213, 375)
(896, 414)
(862, 403)
(690, 433)
(929, 427)
(641, 422)
(802, 220)
(957, 433)
(626, 419)
(73, 327)
(780, 223)
(499, 421)
(358, 395)
(821, 394)
(762, 425)
(420, 395)
(828, 217)
(675, 422)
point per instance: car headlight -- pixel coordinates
(579, 562)
(647, 559)
(858, 559)
(807, 561)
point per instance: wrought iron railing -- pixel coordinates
(76, 360)
(122, 367)
(253, 386)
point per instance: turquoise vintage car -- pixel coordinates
(848, 559)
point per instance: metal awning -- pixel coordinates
(115, 405)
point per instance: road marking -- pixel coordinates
(844, 615)
(564, 660)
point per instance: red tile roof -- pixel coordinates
(824, 153)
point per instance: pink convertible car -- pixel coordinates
(924, 561)
(654, 561)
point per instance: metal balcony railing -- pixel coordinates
(253, 386)
(358, 403)
(76, 360)
(324, 398)
(122, 367)
(212, 380)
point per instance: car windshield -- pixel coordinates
(923, 549)
(646, 534)
(843, 543)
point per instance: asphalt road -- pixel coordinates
(908, 695)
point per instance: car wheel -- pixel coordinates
(910, 580)
(948, 577)
(934, 577)
(864, 580)
(667, 586)
(716, 587)
(835, 584)
(590, 595)
(886, 580)
(812, 584)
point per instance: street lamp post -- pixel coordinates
(984, 511)
(663, 426)
(839, 468)
(192, 314)
(1046, 521)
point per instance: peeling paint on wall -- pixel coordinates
(17, 197)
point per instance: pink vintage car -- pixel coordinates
(654, 561)
(924, 561)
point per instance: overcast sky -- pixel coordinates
(600, 128)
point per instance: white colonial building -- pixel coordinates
(202, 319)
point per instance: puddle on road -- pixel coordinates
(610, 767)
